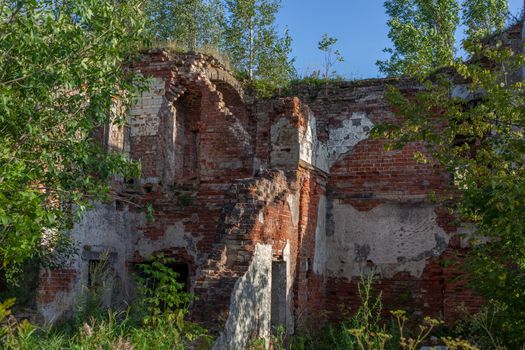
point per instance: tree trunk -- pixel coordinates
(251, 49)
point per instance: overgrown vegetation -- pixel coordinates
(155, 321)
(478, 137)
(62, 76)
(423, 31)
(367, 328)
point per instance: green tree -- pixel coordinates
(484, 17)
(422, 34)
(192, 24)
(253, 44)
(478, 136)
(62, 76)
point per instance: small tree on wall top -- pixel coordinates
(331, 56)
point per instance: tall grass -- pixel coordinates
(156, 321)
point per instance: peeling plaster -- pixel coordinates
(394, 237)
(285, 144)
(102, 229)
(342, 140)
(175, 237)
(293, 201)
(290, 322)
(311, 150)
(320, 256)
(144, 116)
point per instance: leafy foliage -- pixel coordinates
(62, 76)
(366, 330)
(326, 45)
(160, 325)
(161, 292)
(478, 136)
(484, 17)
(193, 24)
(422, 33)
(255, 48)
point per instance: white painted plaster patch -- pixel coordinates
(321, 253)
(102, 229)
(175, 236)
(285, 144)
(344, 138)
(395, 237)
(311, 150)
(143, 117)
(250, 306)
(293, 201)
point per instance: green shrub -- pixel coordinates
(158, 322)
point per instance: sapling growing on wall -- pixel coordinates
(331, 56)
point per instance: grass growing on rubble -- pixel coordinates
(156, 320)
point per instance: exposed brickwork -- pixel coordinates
(52, 282)
(236, 182)
(440, 292)
(370, 175)
(365, 176)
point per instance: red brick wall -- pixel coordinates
(52, 282)
(369, 175)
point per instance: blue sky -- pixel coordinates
(359, 26)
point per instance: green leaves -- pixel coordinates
(255, 48)
(477, 136)
(163, 295)
(192, 24)
(422, 32)
(326, 45)
(61, 71)
(484, 17)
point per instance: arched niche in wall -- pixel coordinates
(188, 110)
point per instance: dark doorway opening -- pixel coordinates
(183, 273)
(181, 268)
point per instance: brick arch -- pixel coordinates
(187, 134)
(225, 146)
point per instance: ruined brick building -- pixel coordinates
(272, 208)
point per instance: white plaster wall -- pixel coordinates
(294, 201)
(103, 229)
(395, 237)
(321, 253)
(343, 139)
(311, 150)
(284, 144)
(143, 117)
(250, 307)
(290, 322)
(175, 236)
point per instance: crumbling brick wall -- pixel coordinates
(380, 219)
(276, 206)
